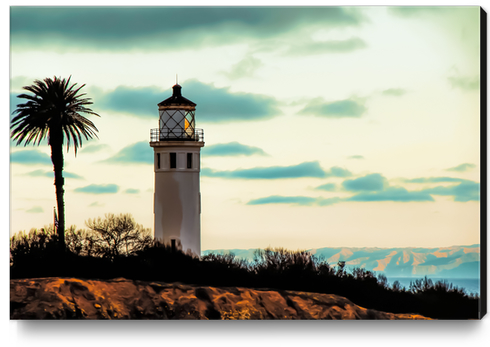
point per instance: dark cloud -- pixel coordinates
(163, 28)
(30, 156)
(355, 157)
(219, 105)
(231, 149)
(214, 105)
(368, 183)
(131, 191)
(329, 187)
(463, 192)
(334, 109)
(35, 209)
(394, 92)
(137, 153)
(465, 83)
(137, 101)
(397, 194)
(98, 189)
(322, 47)
(50, 174)
(307, 169)
(462, 167)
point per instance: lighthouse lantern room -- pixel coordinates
(177, 199)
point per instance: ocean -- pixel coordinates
(471, 285)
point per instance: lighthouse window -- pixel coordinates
(173, 160)
(189, 160)
(158, 160)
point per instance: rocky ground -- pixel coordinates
(72, 298)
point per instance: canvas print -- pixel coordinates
(247, 163)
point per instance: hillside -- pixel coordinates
(71, 298)
(444, 262)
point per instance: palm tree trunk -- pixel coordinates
(56, 143)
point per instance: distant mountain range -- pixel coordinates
(443, 262)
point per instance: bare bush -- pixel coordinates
(117, 235)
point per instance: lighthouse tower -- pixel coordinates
(177, 198)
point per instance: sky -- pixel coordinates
(323, 126)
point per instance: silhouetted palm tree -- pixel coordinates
(54, 111)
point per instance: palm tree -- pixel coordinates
(54, 111)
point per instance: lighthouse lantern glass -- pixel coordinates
(177, 124)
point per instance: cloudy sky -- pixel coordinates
(324, 127)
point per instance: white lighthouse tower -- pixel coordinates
(177, 198)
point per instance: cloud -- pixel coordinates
(374, 187)
(138, 101)
(463, 192)
(244, 68)
(295, 200)
(355, 157)
(465, 83)
(14, 101)
(131, 191)
(434, 180)
(416, 11)
(368, 183)
(398, 194)
(95, 204)
(71, 175)
(138, 153)
(276, 199)
(50, 174)
(35, 209)
(329, 187)
(394, 92)
(328, 201)
(462, 167)
(306, 169)
(332, 46)
(231, 149)
(30, 156)
(98, 189)
(214, 105)
(95, 148)
(219, 105)
(164, 28)
(334, 109)
(336, 171)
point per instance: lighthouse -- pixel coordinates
(177, 199)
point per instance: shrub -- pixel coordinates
(116, 235)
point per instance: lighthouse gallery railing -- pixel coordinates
(168, 135)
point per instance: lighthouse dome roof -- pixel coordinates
(176, 99)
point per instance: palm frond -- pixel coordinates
(55, 108)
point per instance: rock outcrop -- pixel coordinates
(71, 298)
